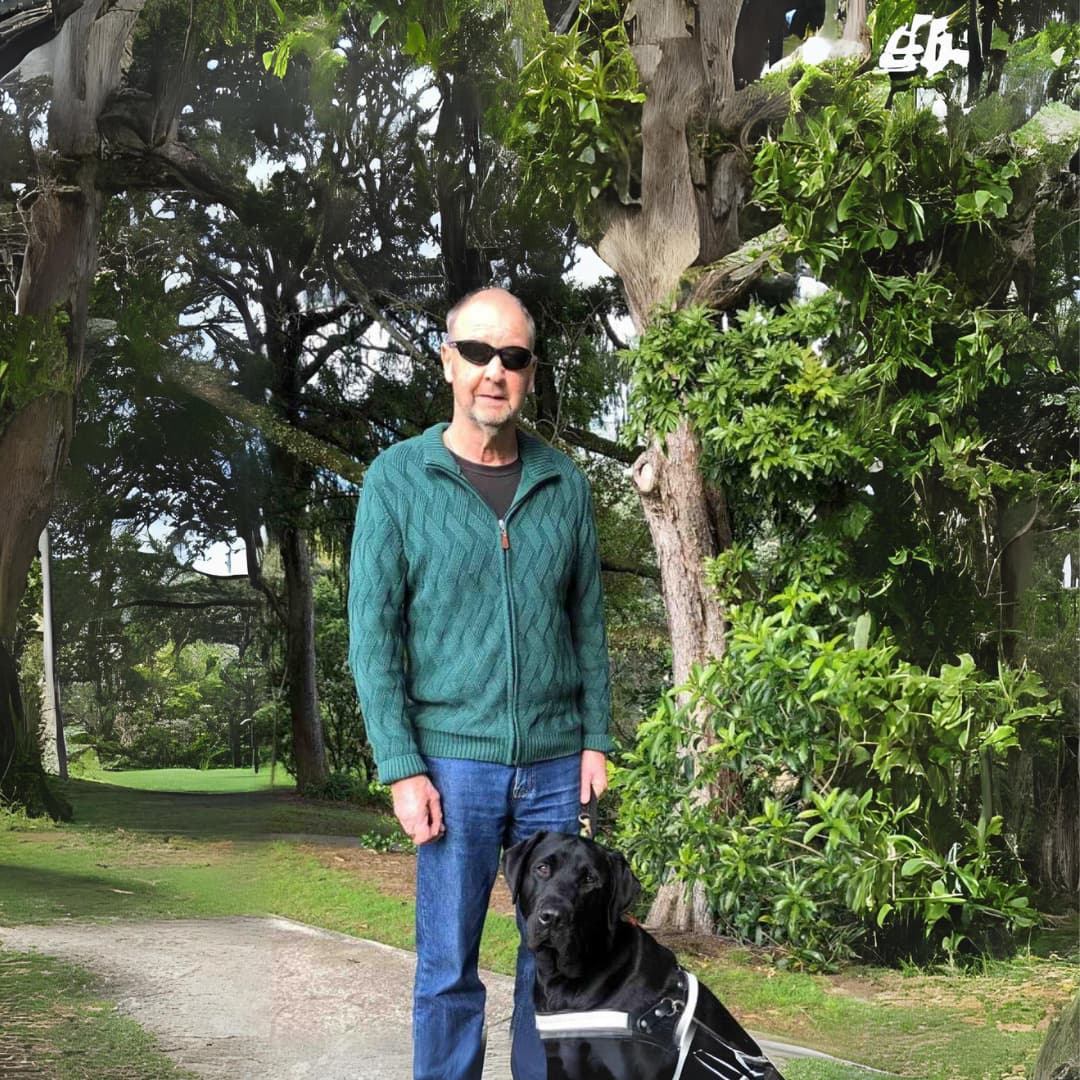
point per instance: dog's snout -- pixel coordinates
(548, 916)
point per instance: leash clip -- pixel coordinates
(587, 819)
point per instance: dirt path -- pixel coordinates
(268, 998)
(261, 998)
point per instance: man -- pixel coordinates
(478, 647)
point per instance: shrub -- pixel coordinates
(339, 787)
(863, 820)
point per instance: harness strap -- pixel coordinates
(608, 1023)
(684, 1033)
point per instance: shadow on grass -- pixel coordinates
(246, 815)
(254, 815)
(40, 894)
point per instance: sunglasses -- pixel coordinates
(512, 357)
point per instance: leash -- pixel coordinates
(588, 821)
(587, 818)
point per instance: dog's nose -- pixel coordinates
(547, 916)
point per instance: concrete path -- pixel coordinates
(268, 998)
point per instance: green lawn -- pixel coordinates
(153, 853)
(204, 781)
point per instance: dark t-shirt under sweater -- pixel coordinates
(497, 484)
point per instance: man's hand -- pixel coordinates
(418, 807)
(593, 774)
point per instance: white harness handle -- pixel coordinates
(684, 1033)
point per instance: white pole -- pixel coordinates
(53, 752)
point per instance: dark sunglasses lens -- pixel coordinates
(476, 352)
(514, 358)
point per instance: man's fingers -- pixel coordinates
(423, 835)
(593, 774)
(435, 811)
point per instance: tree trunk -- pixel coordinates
(689, 525)
(33, 447)
(688, 213)
(61, 254)
(457, 173)
(309, 748)
(1016, 522)
(1059, 1058)
(687, 528)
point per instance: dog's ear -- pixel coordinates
(625, 888)
(516, 862)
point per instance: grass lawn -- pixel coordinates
(153, 853)
(204, 781)
(53, 1024)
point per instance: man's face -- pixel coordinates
(490, 396)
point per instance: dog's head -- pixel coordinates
(571, 893)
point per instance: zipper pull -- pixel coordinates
(503, 536)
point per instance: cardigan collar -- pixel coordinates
(538, 461)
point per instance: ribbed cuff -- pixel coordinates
(401, 767)
(603, 743)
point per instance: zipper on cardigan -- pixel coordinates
(515, 740)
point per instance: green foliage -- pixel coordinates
(386, 841)
(767, 401)
(310, 35)
(343, 725)
(339, 786)
(872, 186)
(860, 826)
(33, 359)
(577, 122)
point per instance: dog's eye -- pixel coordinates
(591, 880)
(541, 869)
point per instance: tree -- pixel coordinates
(673, 188)
(47, 331)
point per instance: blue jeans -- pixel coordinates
(486, 808)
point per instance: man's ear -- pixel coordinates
(625, 888)
(516, 862)
(444, 356)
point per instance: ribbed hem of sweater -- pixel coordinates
(439, 744)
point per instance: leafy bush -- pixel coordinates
(863, 818)
(339, 787)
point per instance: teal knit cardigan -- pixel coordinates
(472, 637)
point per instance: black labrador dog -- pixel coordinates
(611, 1002)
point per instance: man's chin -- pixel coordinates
(492, 418)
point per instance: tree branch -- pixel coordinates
(208, 385)
(597, 444)
(615, 566)
(610, 330)
(354, 287)
(185, 604)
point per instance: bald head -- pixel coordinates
(496, 298)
